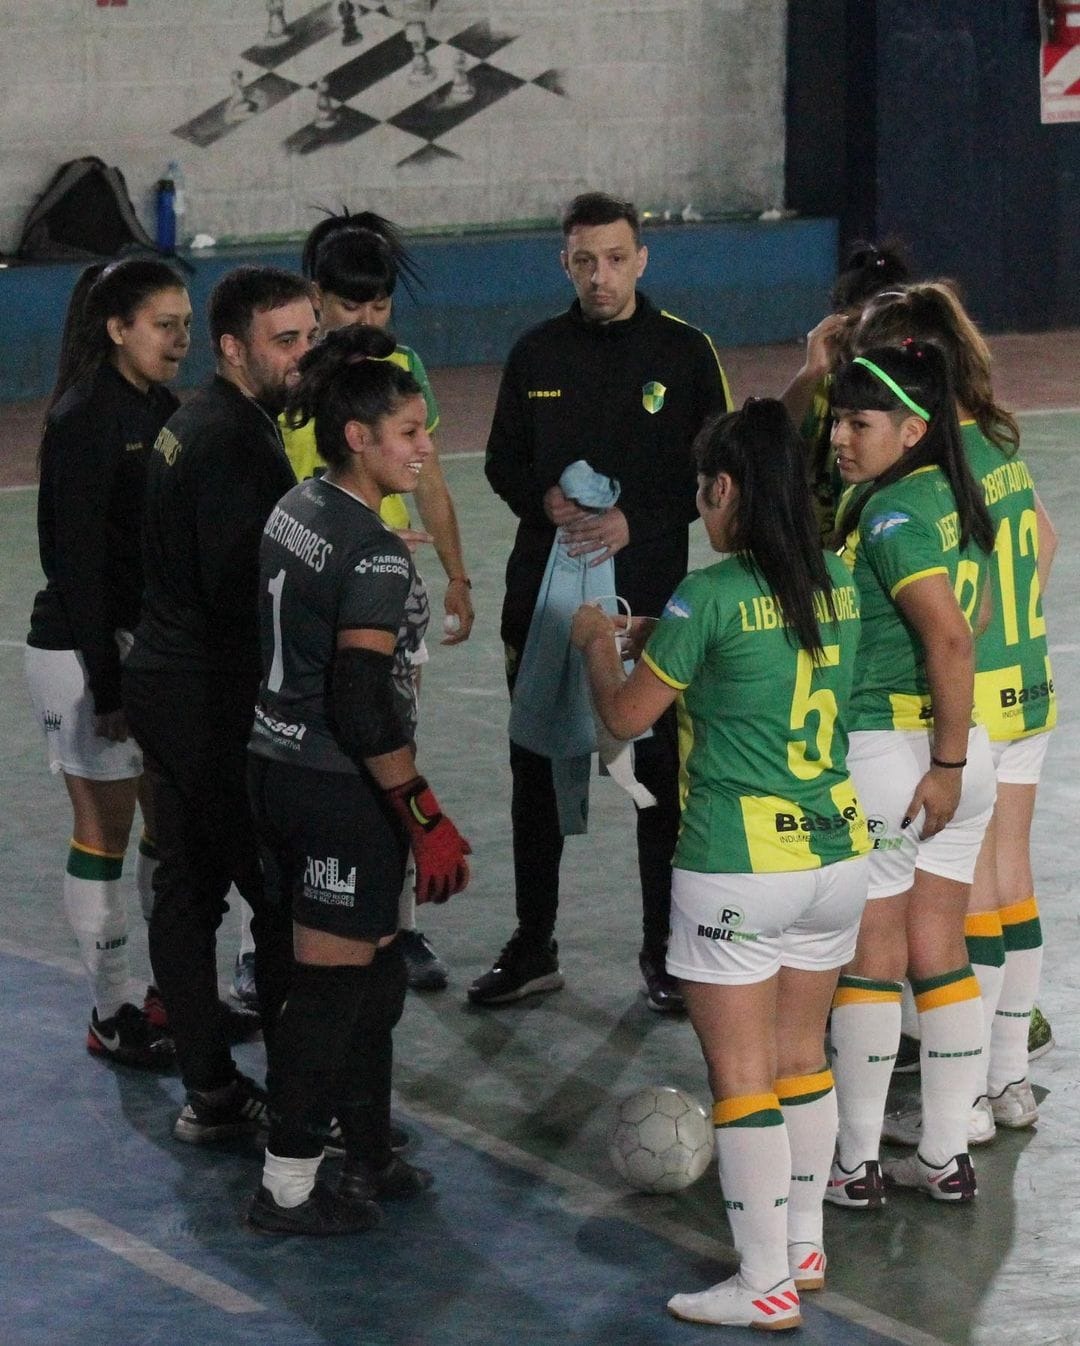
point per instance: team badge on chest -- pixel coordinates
(652, 396)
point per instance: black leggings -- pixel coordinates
(193, 731)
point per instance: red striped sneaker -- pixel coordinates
(806, 1262)
(733, 1304)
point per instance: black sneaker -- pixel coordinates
(324, 1212)
(130, 1039)
(427, 971)
(239, 1109)
(662, 991)
(523, 968)
(907, 1056)
(399, 1180)
(334, 1141)
(242, 989)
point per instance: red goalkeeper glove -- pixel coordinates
(438, 847)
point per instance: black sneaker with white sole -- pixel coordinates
(238, 1109)
(525, 967)
(323, 1213)
(130, 1039)
(662, 990)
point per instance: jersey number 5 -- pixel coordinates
(805, 703)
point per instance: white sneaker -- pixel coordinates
(806, 1262)
(733, 1304)
(954, 1181)
(905, 1128)
(860, 1189)
(1015, 1106)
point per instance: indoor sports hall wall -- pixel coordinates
(435, 112)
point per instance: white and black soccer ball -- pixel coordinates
(662, 1140)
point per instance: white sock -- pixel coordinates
(986, 952)
(865, 1034)
(247, 940)
(97, 911)
(1022, 937)
(289, 1181)
(146, 861)
(950, 1012)
(808, 1103)
(909, 1015)
(407, 900)
(755, 1173)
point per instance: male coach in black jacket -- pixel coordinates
(626, 387)
(190, 683)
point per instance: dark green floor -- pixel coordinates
(518, 1100)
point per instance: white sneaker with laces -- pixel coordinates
(954, 1181)
(733, 1304)
(806, 1262)
(1015, 1106)
(905, 1128)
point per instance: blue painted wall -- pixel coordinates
(745, 283)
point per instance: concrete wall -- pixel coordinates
(526, 102)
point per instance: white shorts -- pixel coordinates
(1019, 761)
(731, 929)
(886, 765)
(64, 709)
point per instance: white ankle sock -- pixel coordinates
(289, 1181)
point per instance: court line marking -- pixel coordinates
(580, 1196)
(153, 1261)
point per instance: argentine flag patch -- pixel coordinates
(677, 607)
(885, 523)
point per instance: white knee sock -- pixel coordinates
(755, 1173)
(97, 911)
(808, 1103)
(986, 953)
(1022, 938)
(146, 862)
(407, 900)
(950, 1014)
(865, 1033)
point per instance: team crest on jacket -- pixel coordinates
(652, 396)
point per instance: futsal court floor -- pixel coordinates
(113, 1233)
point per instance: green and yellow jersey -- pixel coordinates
(908, 531)
(762, 728)
(1014, 685)
(304, 457)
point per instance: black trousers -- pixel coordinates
(538, 843)
(193, 731)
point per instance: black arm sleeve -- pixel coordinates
(365, 715)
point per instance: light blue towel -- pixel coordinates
(551, 713)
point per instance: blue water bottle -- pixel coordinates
(165, 234)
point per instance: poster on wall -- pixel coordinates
(1060, 61)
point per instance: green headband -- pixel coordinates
(893, 385)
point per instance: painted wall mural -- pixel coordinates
(394, 72)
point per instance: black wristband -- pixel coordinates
(952, 766)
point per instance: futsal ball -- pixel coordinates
(662, 1140)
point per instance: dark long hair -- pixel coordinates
(347, 377)
(358, 257)
(104, 291)
(868, 269)
(931, 311)
(760, 450)
(922, 371)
